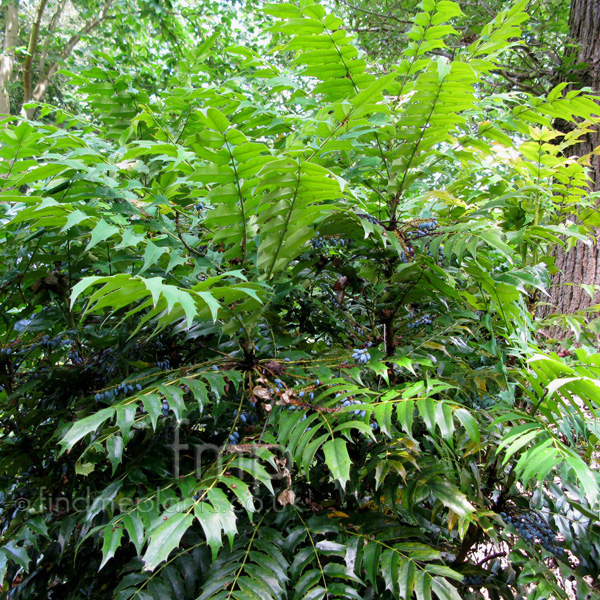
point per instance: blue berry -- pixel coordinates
(361, 356)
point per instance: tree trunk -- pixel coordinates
(7, 60)
(45, 76)
(581, 264)
(31, 50)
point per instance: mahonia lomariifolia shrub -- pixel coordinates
(270, 333)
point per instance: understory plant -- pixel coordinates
(270, 332)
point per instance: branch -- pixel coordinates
(42, 86)
(378, 15)
(51, 29)
(180, 236)
(31, 49)
(517, 82)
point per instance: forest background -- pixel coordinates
(298, 301)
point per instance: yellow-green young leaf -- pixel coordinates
(84, 426)
(112, 540)
(165, 538)
(282, 11)
(446, 10)
(373, 92)
(338, 460)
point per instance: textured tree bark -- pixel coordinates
(7, 60)
(581, 264)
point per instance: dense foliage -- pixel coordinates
(544, 56)
(270, 332)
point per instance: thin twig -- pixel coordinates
(378, 15)
(180, 236)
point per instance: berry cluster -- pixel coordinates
(482, 403)
(369, 218)
(422, 229)
(474, 580)
(532, 528)
(248, 418)
(50, 343)
(440, 252)
(302, 394)
(424, 320)
(199, 206)
(319, 242)
(122, 388)
(234, 438)
(5, 351)
(349, 402)
(428, 225)
(165, 365)
(75, 358)
(361, 356)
